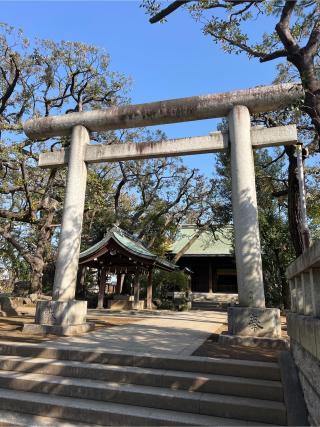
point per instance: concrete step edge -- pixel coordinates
(234, 367)
(210, 383)
(89, 411)
(74, 363)
(16, 419)
(152, 397)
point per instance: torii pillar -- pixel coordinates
(64, 315)
(251, 317)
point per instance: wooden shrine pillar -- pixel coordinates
(102, 287)
(81, 278)
(210, 277)
(189, 283)
(120, 280)
(149, 291)
(136, 290)
(214, 279)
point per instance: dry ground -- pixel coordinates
(211, 348)
(11, 326)
(11, 330)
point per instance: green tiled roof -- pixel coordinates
(219, 243)
(129, 243)
(134, 245)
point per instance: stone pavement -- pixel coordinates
(162, 333)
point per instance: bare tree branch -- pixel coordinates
(240, 45)
(283, 28)
(274, 160)
(11, 127)
(26, 188)
(274, 55)
(165, 12)
(313, 44)
(14, 242)
(281, 193)
(11, 190)
(22, 216)
(10, 88)
(239, 12)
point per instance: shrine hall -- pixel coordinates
(121, 253)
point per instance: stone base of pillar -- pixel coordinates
(254, 322)
(261, 342)
(60, 318)
(139, 305)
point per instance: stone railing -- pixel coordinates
(304, 281)
(303, 323)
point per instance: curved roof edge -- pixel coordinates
(130, 244)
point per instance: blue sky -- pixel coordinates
(165, 61)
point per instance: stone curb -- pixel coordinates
(246, 341)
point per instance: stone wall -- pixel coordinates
(304, 332)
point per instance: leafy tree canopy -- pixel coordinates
(150, 198)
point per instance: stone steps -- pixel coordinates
(102, 413)
(218, 366)
(152, 397)
(111, 388)
(211, 305)
(217, 298)
(15, 419)
(191, 381)
(208, 305)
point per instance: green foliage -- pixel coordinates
(164, 282)
(148, 198)
(313, 199)
(39, 79)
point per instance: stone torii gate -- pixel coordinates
(64, 315)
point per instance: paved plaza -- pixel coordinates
(165, 332)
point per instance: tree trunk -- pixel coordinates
(294, 212)
(303, 58)
(311, 84)
(35, 261)
(36, 279)
(43, 243)
(285, 293)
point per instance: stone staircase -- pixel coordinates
(213, 301)
(208, 305)
(116, 389)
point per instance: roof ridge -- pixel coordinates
(130, 236)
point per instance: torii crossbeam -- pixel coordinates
(64, 314)
(212, 143)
